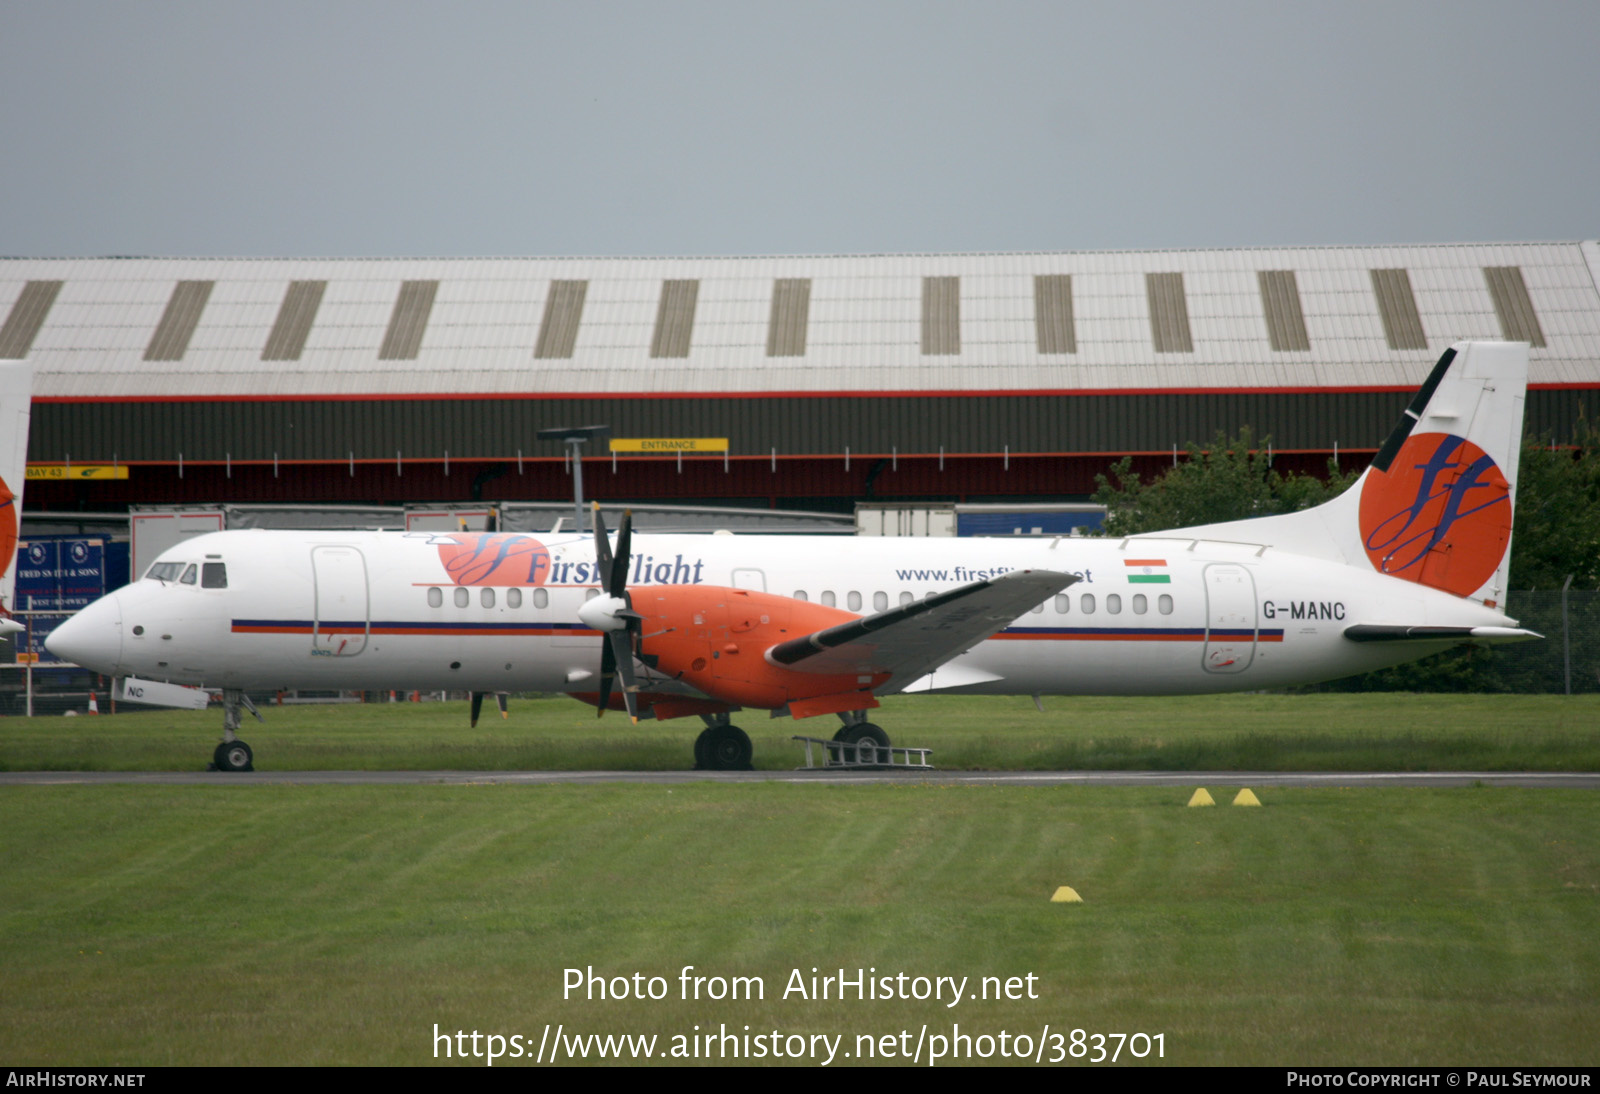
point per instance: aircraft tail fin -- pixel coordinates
(1435, 506)
(16, 401)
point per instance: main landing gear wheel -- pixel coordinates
(233, 756)
(723, 748)
(871, 741)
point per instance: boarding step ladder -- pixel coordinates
(862, 755)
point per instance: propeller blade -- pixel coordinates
(608, 672)
(602, 545)
(622, 657)
(477, 707)
(617, 585)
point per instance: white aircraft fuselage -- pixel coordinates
(1147, 616)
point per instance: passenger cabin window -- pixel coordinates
(1038, 609)
(486, 598)
(1165, 604)
(189, 574)
(462, 597)
(436, 597)
(1114, 604)
(880, 601)
(1087, 603)
(1140, 604)
(541, 599)
(853, 601)
(513, 598)
(800, 594)
(1063, 603)
(590, 594)
(906, 598)
(165, 571)
(828, 599)
(214, 575)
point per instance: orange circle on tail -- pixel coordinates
(1440, 516)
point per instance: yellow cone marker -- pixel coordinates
(1246, 797)
(1200, 797)
(1066, 895)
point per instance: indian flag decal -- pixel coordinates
(1147, 571)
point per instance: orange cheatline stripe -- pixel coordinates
(1144, 562)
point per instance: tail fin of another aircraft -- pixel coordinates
(16, 401)
(1435, 506)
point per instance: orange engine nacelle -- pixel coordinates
(716, 639)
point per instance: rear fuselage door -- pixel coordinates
(1230, 618)
(341, 621)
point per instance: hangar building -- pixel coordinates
(963, 377)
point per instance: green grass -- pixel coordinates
(1233, 732)
(297, 925)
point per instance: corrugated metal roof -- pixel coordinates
(863, 328)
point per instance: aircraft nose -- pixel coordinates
(92, 638)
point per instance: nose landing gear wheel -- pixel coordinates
(233, 756)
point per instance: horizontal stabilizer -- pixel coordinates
(1380, 632)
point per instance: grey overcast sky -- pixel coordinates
(690, 128)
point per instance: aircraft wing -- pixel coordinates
(911, 641)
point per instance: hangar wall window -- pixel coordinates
(513, 598)
(1397, 305)
(402, 341)
(214, 575)
(1052, 313)
(462, 597)
(293, 325)
(1280, 301)
(1165, 604)
(674, 319)
(27, 316)
(941, 315)
(178, 321)
(1518, 321)
(1169, 313)
(563, 311)
(435, 597)
(786, 326)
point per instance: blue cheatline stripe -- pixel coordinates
(305, 626)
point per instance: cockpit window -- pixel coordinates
(189, 575)
(165, 571)
(214, 575)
